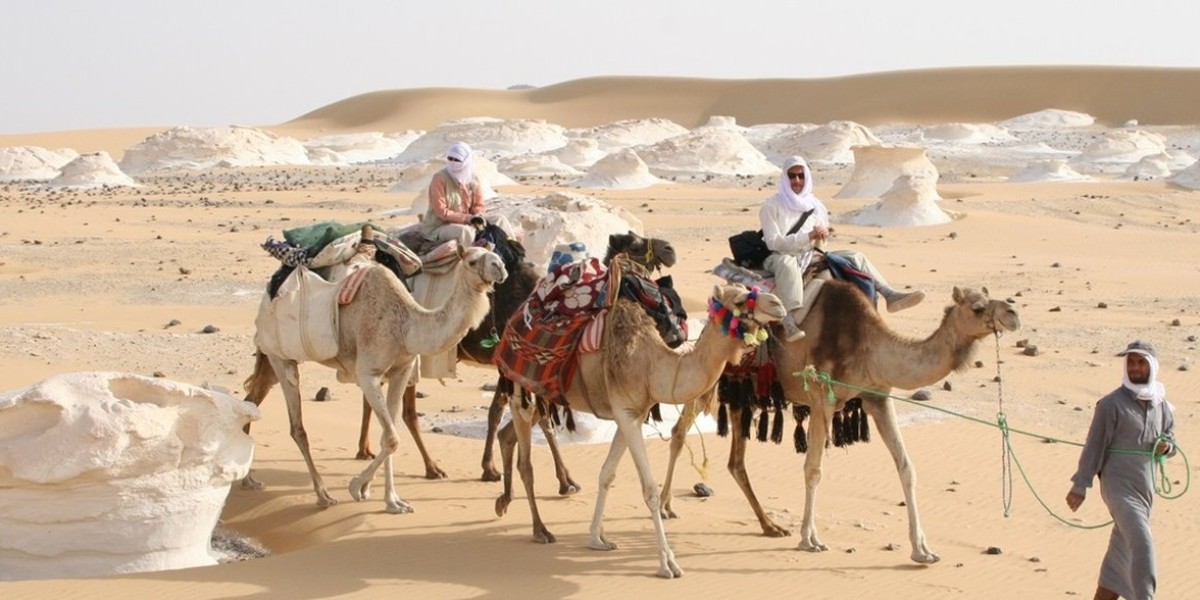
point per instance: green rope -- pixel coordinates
(1162, 483)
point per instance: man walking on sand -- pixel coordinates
(1131, 425)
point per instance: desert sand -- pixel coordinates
(91, 280)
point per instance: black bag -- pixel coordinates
(750, 250)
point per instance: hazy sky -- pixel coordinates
(74, 64)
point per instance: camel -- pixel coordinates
(634, 371)
(380, 335)
(651, 253)
(849, 340)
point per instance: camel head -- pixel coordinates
(484, 264)
(977, 315)
(651, 253)
(752, 309)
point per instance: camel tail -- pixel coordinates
(259, 384)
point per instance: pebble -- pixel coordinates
(922, 395)
(1102, 305)
(159, 374)
(1176, 323)
(324, 395)
(946, 385)
(1031, 350)
(210, 329)
(1056, 309)
(488, 387)
(172, 323)
(892, 547)
(701, 489)
(1022, 343)
(993, 550)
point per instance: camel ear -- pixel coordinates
(717, 292)
(985, 292)
(957, 295)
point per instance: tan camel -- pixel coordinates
(380, 335)
(634, 371)
(850, 341)
(651, 253)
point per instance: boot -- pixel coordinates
(898, 301)
(791, 331)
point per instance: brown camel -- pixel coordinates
(850, 341)
(380, 335)
(651, 253)
(634, 371)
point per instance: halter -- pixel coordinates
(733, 320)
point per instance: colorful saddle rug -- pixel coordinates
(538, 349)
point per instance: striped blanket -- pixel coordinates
(539, 347)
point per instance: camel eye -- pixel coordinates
(978, 310)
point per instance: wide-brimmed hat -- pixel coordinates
(1139, 347)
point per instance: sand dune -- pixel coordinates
(1111, 94)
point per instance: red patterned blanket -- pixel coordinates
(539, 347)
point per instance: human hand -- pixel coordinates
(819, 233)
(1074, 501)
(1163, 449)
(477, 221)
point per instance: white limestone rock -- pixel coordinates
(92, 170)
(106, 473)
(910, 202)
(33, 163)
(621, 170)
(196, 148)
(705, 151)
(876, 169)
(543, 222)
(1054, 170)
(1188, 178)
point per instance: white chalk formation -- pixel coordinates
(33, 163)
(106, 473)
(192, 148)
(910, 202)
(1054, 170)
(93, 170)
(876, 169)
(621, 170)
(543, 222)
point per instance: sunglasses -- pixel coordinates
(452, 159)
(796, 176)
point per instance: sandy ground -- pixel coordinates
(90, 281)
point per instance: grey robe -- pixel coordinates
(1123, 422)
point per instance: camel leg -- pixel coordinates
(608, 473)
(524, 414)
(495, 412)
(288, 372)
(630, 427)
(678, 439)
(360, 486)
(566, 485)
(737, 468)
(507, 437)
(883, 412)
(257, 386)
(364, 443)
(412, 421)
(818, 432)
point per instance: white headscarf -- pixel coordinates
(805, 200)
(461, 171)
(1153, 390)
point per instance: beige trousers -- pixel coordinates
(789, 281)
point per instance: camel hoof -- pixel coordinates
(543, 536)
(364, 455)
(671, 571)
(667, 513)
(570, 488)
(776, 531)
(490, 474)
(435, 473)
(325, 500)
(502, 505)
(250, 483)
(360, 490)
(602, 544)
(812, 547)
(399, 507)
(925, 558)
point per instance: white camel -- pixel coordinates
(380, 335)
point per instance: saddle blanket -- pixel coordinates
(301, 322)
